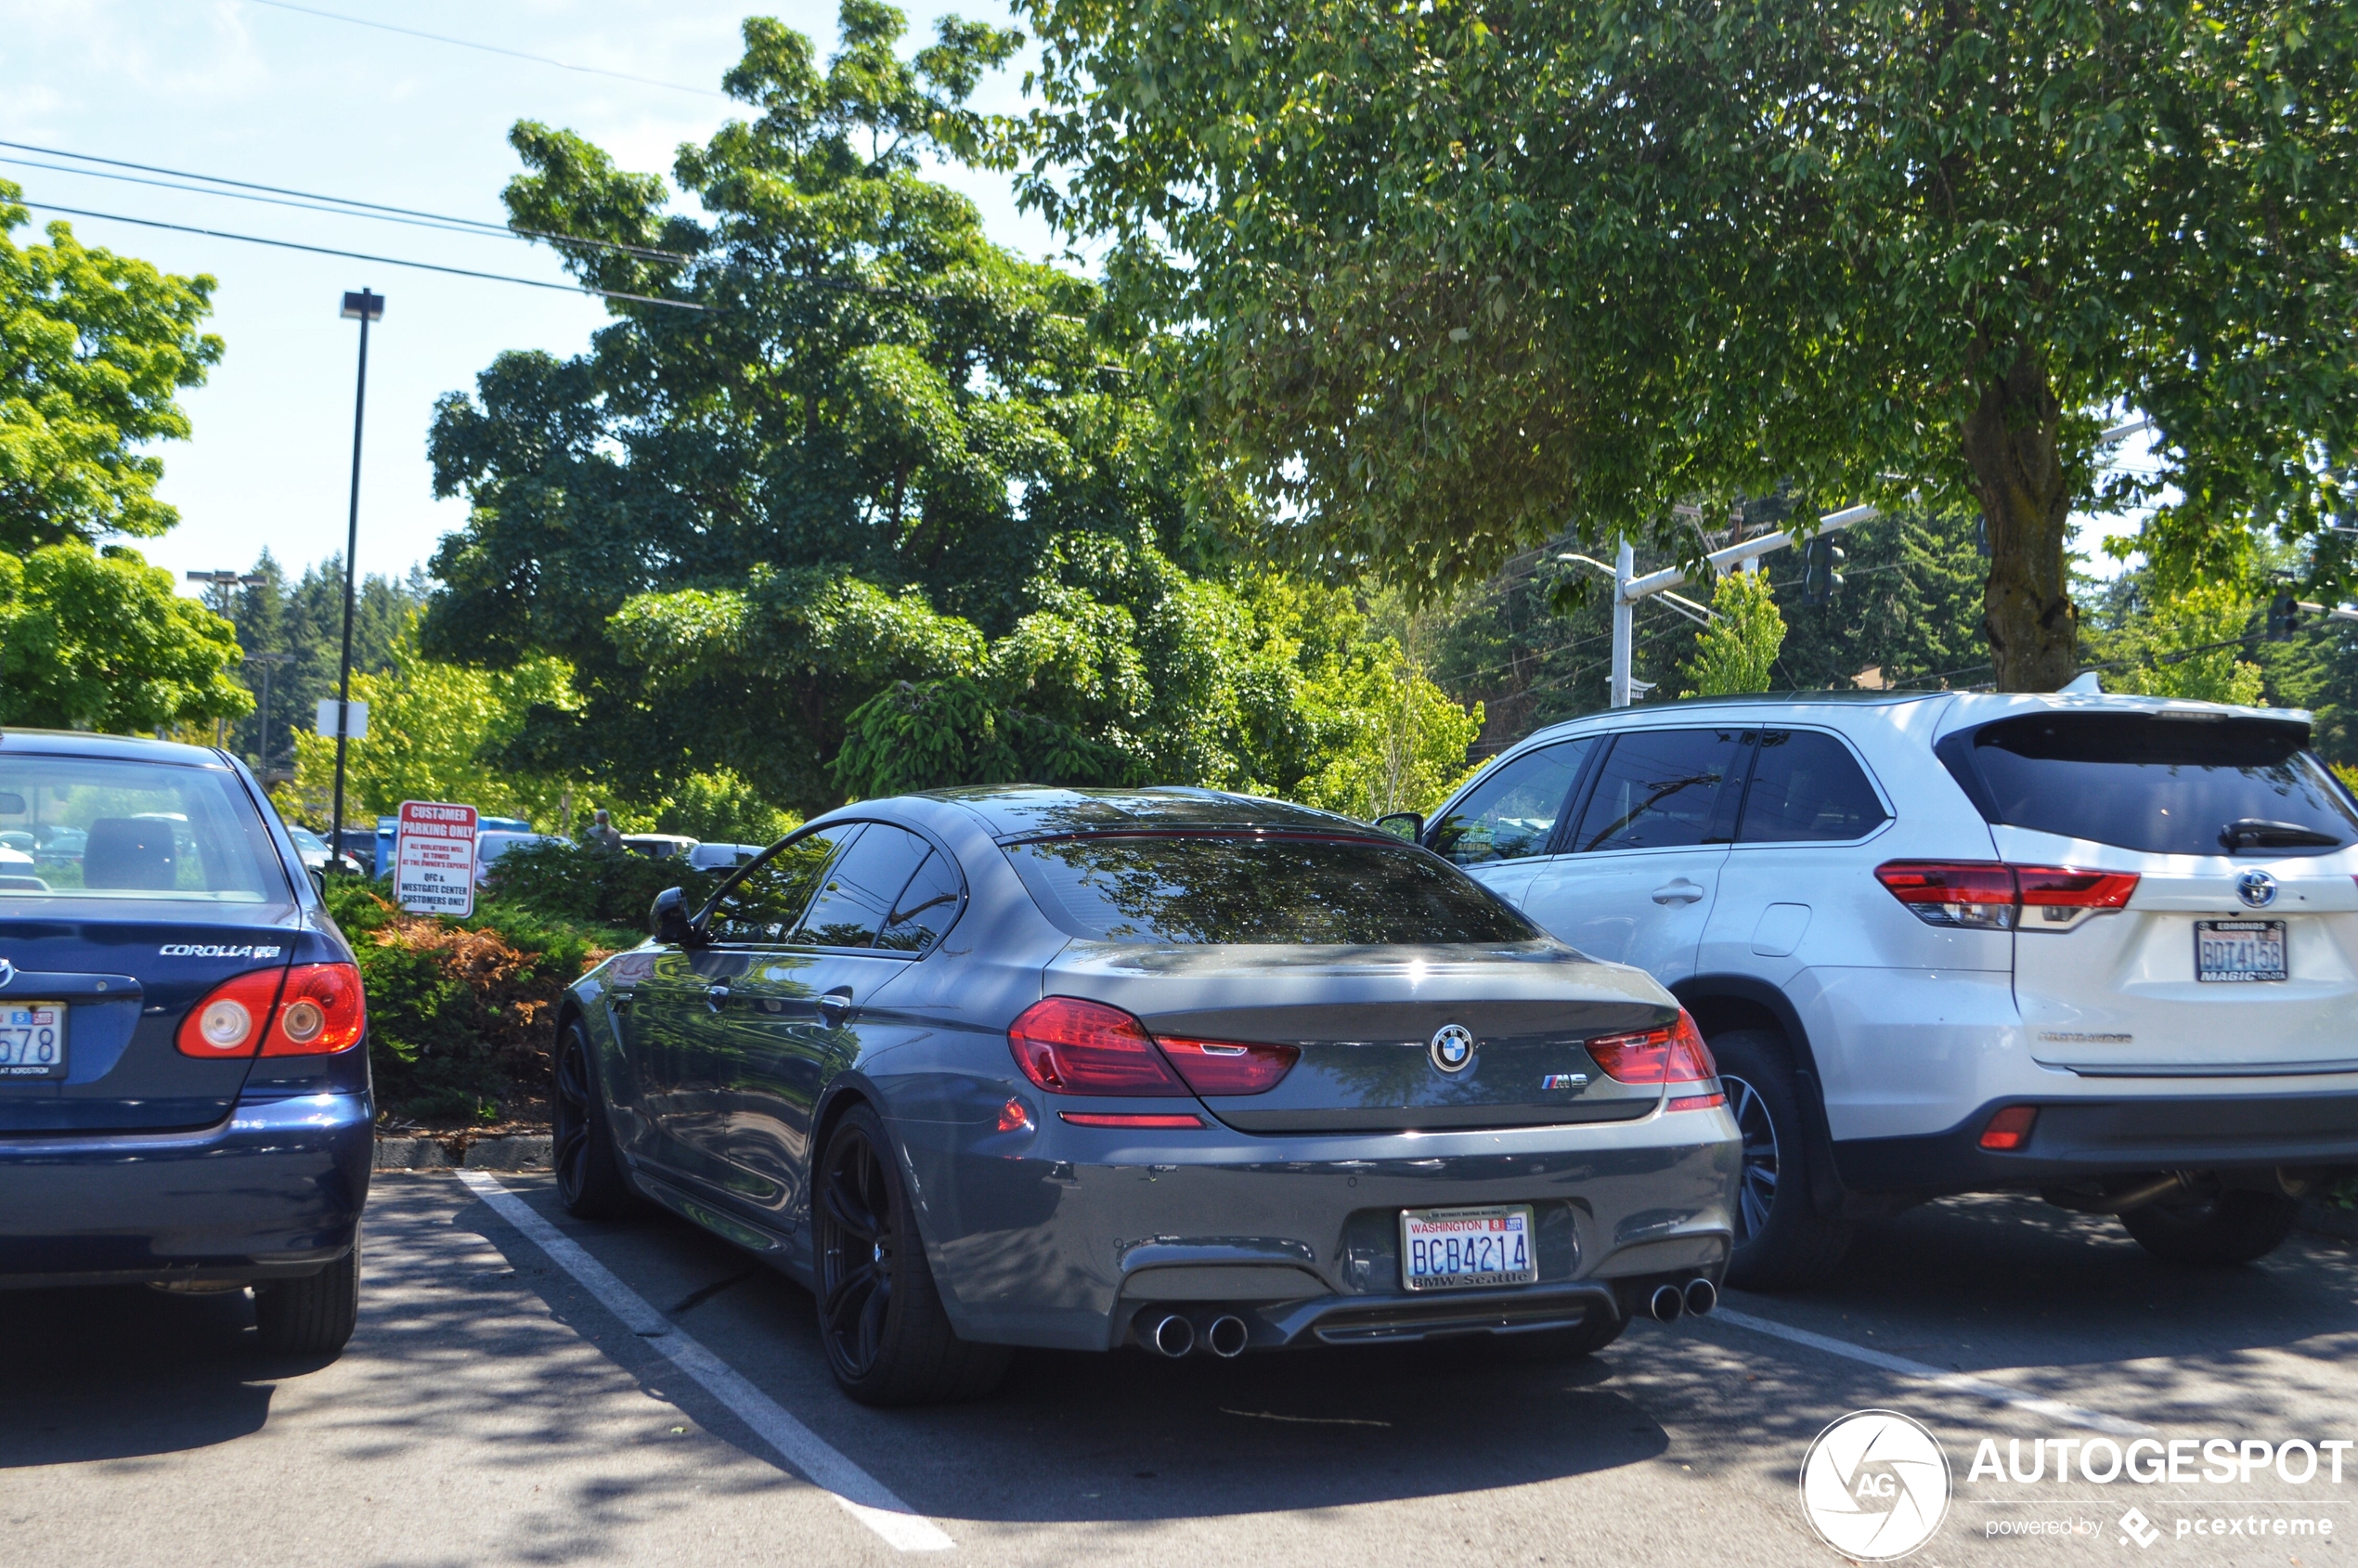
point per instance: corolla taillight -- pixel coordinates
(230, 1020)
(320, 1012)
(1672, 1053)
(1068, 1047)
(1229, 1067)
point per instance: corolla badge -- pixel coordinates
(2256, 888)
(1453, 1049)
(8, 971)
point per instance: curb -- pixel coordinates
(462, 1152)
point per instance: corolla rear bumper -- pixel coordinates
(274, 1191)
(1068, 1236)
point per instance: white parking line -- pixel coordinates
(860, 1495)
(1978, 1387)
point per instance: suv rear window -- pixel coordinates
(81, 827)
(1221, 888)
(2164, 784)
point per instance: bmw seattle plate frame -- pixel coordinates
(1488, 1245)
(33, 1040)
(2241, 950)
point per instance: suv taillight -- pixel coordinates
(1070, 1046)
(1993, 895)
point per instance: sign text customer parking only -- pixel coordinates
(433, 859)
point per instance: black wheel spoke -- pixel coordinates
(855, 1206)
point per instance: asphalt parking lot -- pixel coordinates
(494, 1409)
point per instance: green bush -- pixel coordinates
(584, 882)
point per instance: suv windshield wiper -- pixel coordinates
(2259, 833)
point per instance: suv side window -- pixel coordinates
(1663, 789)
(766, 902)
(860, 887)
(1512, 814)
(1806, 786)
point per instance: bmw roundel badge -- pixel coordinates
(2256, 888)
(1453, 1049)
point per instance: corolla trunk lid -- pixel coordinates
(93, 1004)
(1380, 1029)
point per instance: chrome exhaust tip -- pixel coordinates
(1173, 1336)
(1227, 1336)
(1702, 1296)
(1666, 1303)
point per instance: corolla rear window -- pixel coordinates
(77, 827)
(2167, 785)
(1258, 888)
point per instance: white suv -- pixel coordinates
(2102, 948)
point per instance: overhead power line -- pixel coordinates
(358, 255)
(488, 48)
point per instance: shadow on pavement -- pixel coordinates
(118, 1373)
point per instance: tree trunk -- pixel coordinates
(2026, 609)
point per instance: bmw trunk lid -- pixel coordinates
(1391, 1038)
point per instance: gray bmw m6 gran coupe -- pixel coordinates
(1168, 1068)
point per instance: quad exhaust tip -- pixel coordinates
(1667, 1303)
(1173, 1336)
(1227, 1336)
(1702, 1296)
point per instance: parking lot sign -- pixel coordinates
(433, 859)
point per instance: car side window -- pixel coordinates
(767, 902)
(1512, 814)
(861, 886)
(923, 910)
(1662, 789)
(1806, 786)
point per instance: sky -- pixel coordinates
(279, 96)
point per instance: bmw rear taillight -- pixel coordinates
(1070, 1046)
(320, 1012)
(1672, 1053)
(1993, 895)
(231, 1019)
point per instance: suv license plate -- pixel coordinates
(1464, 1248)
(33, 1040)
(2240, 950)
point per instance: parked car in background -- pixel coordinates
(721, 856)
(490, 846)
(184, 1075)
(361, 846)
(1169, 1067)
(316, 853)
(2100, 948)
(657, 845)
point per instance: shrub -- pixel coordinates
(587, 882)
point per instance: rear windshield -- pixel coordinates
(1190, 888)
(2167, 786)
(93, 828)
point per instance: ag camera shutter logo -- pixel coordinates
(1875, 1486)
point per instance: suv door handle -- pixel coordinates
(833, 1005)
(716, 997)
(1679, 892)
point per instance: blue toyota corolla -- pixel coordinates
(184, 1073)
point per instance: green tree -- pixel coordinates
(1439, 277)
(300, 623)
(2193, 642)
(96, 640)
(94, 347)
(1738, 651)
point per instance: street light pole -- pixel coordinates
(364, 308)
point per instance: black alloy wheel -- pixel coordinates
(589, 1180)
(1756, 1190)
(887, 1337)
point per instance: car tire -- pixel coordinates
(1560, 1344)
(313, 1315)
(2234, 1227)
(1782, 1242)
(590, 1182)
(886, 1335)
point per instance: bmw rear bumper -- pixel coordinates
(275, 1191)
(1068, 1236)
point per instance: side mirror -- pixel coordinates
(667, 918)
(1409, 825)
(318, 881)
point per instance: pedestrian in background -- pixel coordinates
(603, 832)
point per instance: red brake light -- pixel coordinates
(1229, 1067)
(1068, 1047)
(2010, 1129)
(1674, 1053)
(230, 1020)
(321, 1012)
(1989, 896)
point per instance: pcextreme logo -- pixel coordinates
(1875, 1486)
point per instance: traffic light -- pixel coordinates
(2283, 617)
(1821, 574)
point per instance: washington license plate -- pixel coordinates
(1461, 1249)
(33, 1040)
(2240, 950)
